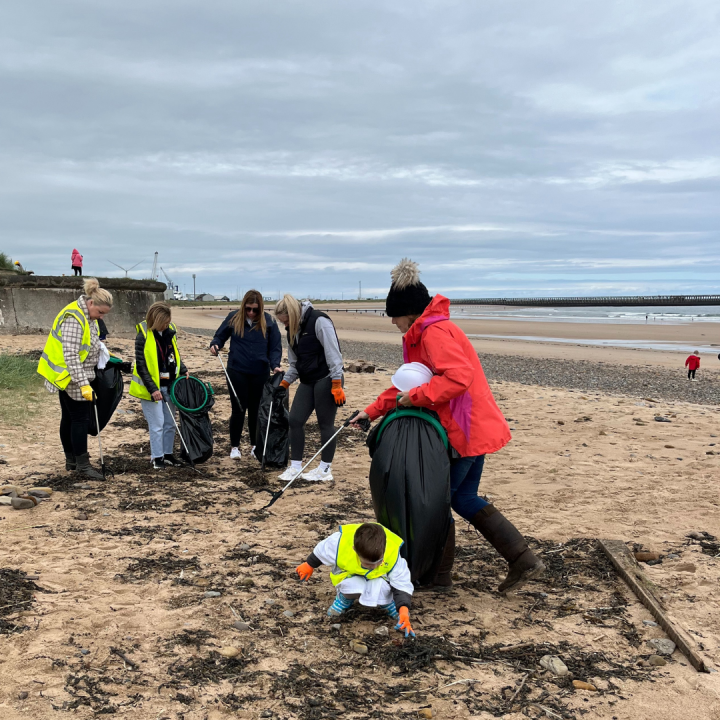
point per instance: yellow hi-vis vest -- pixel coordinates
(137, 386)
(52, 365)
(347, 560)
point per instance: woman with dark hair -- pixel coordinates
(460, 395)
(255, 348)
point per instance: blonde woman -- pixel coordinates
(68, 363)
(315, 358)
(255, 348)
(157, 365)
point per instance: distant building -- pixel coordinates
(221, 298)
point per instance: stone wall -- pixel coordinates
(30, 303)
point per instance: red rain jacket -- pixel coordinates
(458, 391)
(693, 362)
(76, 259)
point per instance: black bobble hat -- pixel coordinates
(407, 295)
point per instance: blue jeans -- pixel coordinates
(464, 483)
(161, 424)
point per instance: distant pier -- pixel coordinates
(612, 301)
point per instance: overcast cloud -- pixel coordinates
(512, 148)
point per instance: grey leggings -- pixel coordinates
(318, 397)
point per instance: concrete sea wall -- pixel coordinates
(30, 303)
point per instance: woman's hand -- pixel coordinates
(157, 396)
(404, 399)
(187, 375)
(362, 415)
(214, 350)
(277, 370)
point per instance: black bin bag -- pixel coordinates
(410, 485)
(108, 387)
(275, 426)
(193, 399)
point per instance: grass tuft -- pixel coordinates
(6, 262)
(20, 387)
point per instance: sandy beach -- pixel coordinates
(123, 566)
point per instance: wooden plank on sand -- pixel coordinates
(631, 573)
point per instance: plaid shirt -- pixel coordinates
(82, 373)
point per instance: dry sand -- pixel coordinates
(132, 575)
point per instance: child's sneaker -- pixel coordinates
(340, 605)
(318, 475)
(235, 454)
(290, 474)
(391, 610)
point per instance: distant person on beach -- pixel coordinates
(460, 395)
(692, 364)
(255, 349)
(76, 261)
(68, 363)
(157, 365)
(315, 358)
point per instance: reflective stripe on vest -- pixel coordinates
(137, 386)
(347, 562)
(52, 365)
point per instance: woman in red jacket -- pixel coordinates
(692, 364)
(460, 395)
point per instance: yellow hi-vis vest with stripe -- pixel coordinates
(52, 365)
(137, 386)
(348, 563)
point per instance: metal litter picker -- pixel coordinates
(103, 467)
(232, 387)
(279, 493)
(177, 427)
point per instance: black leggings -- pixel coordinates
(78, 270)
(691, 374)
(74, 424)
(308, 397)
(249, 389)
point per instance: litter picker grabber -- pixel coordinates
(177, 427)
(279, 493)
(232, 387)
(267, 433)
(103, 467)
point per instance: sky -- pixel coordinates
(512, 148)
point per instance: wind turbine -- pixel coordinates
(126, 270)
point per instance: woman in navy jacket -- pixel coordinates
(255, 348)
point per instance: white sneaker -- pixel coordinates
(290, 474)
(235, 454)
(317, 475)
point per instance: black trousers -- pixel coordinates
(691, 374)
(308, 397)
(74, 424)
(249, 389)
(78, 270)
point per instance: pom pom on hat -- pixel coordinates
(407, 295)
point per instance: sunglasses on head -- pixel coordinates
(254, 310)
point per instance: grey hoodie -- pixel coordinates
(325, 331)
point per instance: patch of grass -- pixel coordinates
(6, 262)
(21, 388)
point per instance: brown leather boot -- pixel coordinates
(505, 538)
(442, 582)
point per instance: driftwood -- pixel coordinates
(631, 573)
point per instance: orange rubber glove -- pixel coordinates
(285, 384)
(304, 571)
(404, 622)
(338, 392)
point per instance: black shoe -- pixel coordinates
(70, 461)
(84, 467)
(172, 461)
(507, 540)
(158, 463)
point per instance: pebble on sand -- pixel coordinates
(426, 713)
(580, 685)
(382, 630)
(19, 503)
(241, 625)
(554, 664)
(289, 613)
(662, 646)
(230, 651)
(211, 594)
(358, 647)
(657, 661)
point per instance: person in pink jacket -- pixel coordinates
(76, 262)
(460, 395)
